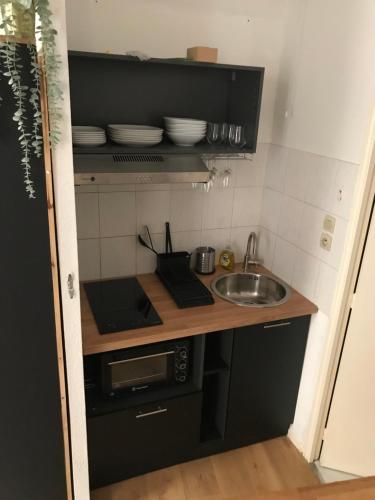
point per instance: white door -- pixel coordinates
(349, 440)
(68, 266)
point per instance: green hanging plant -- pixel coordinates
(31, 19)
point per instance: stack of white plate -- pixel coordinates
(88, 136)
(135, 135)
(185, 131)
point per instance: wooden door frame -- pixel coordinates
(66, 232)
(350, 266)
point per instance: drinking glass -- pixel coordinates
(213, 130)
(237, 135)
(223, 132)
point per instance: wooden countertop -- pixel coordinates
(179, 323)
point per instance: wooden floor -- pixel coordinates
(272, 466)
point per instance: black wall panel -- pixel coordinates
(31, 439)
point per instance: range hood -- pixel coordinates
(143, 168)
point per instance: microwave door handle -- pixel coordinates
(141, 357)
(149, 414)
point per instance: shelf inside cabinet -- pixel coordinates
(215, 365)
(109, 88)
(166, 147)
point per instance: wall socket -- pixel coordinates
(329, 224)
(326, 241)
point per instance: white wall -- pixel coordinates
(248, 32)
(324, 104)
(318, 99)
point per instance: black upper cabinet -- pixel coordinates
(119, 89)
(266, 370)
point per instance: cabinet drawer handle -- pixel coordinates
(156, 412)
(276, 325)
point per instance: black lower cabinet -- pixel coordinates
(251, 378)
(266, 369)
(141, 439)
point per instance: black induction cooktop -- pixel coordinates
(120, 304)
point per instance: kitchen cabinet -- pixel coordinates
(266, 369)
(109, 88)
(138, 440)
(249, 378)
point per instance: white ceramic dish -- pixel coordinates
(135, 136)
(187, 130)
(134, 127)
(183, 121)
(89, 144)
(135, 143)
(198, 135)
(84, 128)
(185, 140)
(88, 138)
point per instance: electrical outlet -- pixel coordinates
(329, 224)
(326, 241)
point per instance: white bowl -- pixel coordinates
(183, 121)
(185, 140)
(187, 127)
(187, 130)
(198, 135)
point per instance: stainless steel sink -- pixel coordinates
(251, 289)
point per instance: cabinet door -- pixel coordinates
(134, 441)
(266, 369)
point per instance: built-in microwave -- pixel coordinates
(125, 378)
(143, 368)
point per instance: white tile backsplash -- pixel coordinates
(117, 214)
(217, 208)
(247, 202)
(296, 200)
(266, 247)
(89, 259)
(146, 260)
(153, 209)
(87, 207)
(290, 219)
(297, 174)
(280, 193)
(284, 259)
(186, 210)
(271, 207)
(325, 287)
(276, 168)
(305, 273)
(320, 178)
(186, 240)
(218, 218)
(118, 256)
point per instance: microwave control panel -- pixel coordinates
(182, 363)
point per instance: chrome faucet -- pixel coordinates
(250, 258)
